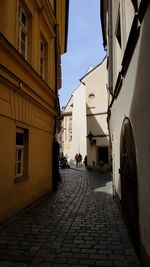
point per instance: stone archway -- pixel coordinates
(129, 184)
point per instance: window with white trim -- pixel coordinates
(21, 152)
(42, 59)
(23, 32)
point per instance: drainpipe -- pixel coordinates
(110, 47)
(55, 145)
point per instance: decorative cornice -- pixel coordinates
(142, 9)
(131, 44)
(67, 114)
(45, 9)
(97, 114)
(99, 135)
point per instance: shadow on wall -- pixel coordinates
(98, 146)
(140, 109)
(140, 117)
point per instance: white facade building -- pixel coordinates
(88, 108)
(74, 125)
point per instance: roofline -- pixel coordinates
(92, 69)
(103, 8)
(66, 25)
(68, 101)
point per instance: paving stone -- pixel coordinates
(60, 265)
(104, 263)
(80, 256)
(45, 264)
(98, 257)
(19, 264)
(73, 261)
(88, 262)
(5, 264)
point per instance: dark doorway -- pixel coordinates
(103, 154)
(129, 185)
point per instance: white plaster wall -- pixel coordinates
(134, 102)
(120, 110)
(95, 83)
(66, 144)
(97, 124)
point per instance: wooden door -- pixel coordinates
(129, 184)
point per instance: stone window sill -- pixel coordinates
(20, 179)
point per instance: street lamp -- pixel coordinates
(91, 140)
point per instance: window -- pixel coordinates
(103, 155)
(43, 56)
(21, 152)
(42, 59)
(23, 32)
(91, 96)
(70, 136)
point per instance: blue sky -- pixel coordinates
(85, 45)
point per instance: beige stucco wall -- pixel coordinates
(39, 181)
(28, 102)
(29, 116)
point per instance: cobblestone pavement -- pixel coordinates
(79, 225)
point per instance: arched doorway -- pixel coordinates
(129, 184)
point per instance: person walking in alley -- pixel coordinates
(85, 161)
(76, 159)
(80, 159)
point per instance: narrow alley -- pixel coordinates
(79, 225)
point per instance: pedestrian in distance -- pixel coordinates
(80, 159)
(76, 159)
(85, 160)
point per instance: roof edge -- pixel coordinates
(93, 69)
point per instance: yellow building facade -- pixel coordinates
(33, 36)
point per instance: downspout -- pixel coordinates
(54, 156)
(110, 46)
(56, 91)
(110, 78)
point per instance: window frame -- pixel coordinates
(25, 30)
(44, 56)
(21, 154)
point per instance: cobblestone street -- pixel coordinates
(79, 225)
